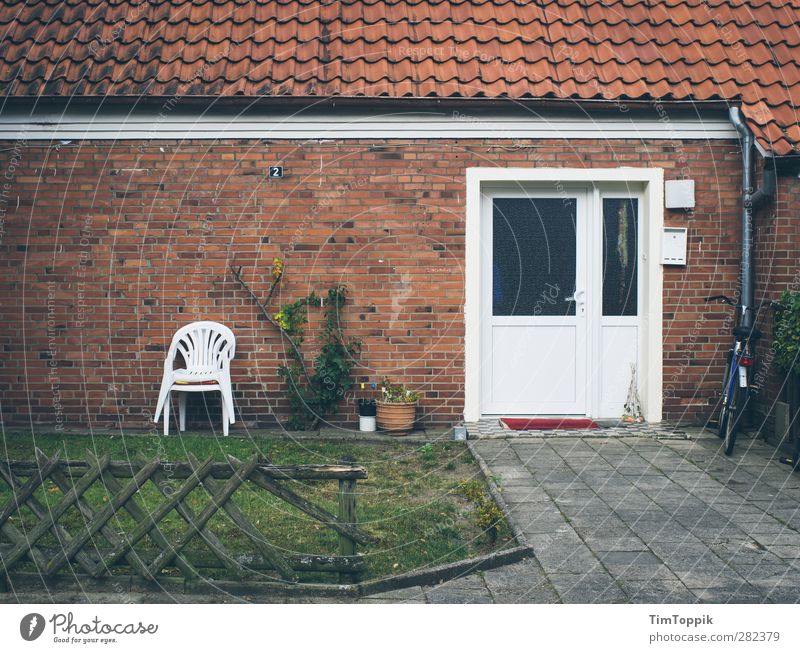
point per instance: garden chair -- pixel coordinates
(207, 349)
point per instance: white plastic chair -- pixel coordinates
(207, 349)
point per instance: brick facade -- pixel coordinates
(109, 247)
(777, 240)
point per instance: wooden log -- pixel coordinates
(219, 470)
(153, 518)
(21, 494)
(329, 519)
(239, 477)
(81, 556)
(49, 520)
(238, 517)
(100, 519)
(17, 537)
(248, 561)
(135, 511)
(212, 542)
(347, 515)
(12, 532)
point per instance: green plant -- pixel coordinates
(319, 394)
(487, 515)
(312, 392)
(429, 457)
(786, 339)
(397, 393)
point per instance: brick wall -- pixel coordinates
(777, 240)
(109, 247)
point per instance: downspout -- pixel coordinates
(752, 199)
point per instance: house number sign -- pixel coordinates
(276, 172)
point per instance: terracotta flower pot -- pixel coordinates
(396, 419)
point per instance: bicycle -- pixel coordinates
(740, 361)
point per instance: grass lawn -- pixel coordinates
(412, 501)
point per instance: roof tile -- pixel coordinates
(740, 51)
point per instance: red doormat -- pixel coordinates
(534, 424)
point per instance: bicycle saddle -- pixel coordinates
(743, 332)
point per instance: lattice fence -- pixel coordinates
(154, 519)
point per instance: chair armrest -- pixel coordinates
(170, 359)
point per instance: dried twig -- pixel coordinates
(237, 274)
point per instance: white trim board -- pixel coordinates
(166, 122)
(651, 181)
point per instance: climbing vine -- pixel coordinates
(314, 392)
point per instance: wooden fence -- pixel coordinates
(54, 524)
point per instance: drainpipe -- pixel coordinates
(752, 199)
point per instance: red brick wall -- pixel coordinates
(109, 247)
(777, 262)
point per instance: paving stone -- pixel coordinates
(402, 595)
(539, 594)
(518, 482)
(767, 573)
(786, 538)
(761, 559)
(587, 588)
(505, 473)
(764, 526)
(630, 558)
(516, 494)
(641, 573)
(708, 564)
(380, 599)
(701, 578)
(578, 560)
(657, 591)
(730, 594)
(469, 582)
(443, 595)
(785, 552)
(526, 581)
(778, 593)
(611, 543)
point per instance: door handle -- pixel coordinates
(576, 297)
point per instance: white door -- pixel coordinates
(534, 303)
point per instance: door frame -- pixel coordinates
(650, 187)
(582, 195)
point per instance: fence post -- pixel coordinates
(347, 514)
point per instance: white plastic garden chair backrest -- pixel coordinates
(205, 346)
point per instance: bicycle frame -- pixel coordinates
(736, 354)
(741, 359)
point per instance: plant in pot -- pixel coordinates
(396, 408)
(786, 344)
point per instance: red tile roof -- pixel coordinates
(735, 51)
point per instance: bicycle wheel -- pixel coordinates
(723, 421)
(735, 411)
(724, 412)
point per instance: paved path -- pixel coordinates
(639, 520)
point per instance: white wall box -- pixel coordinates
(679, 194)
(673, 246)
